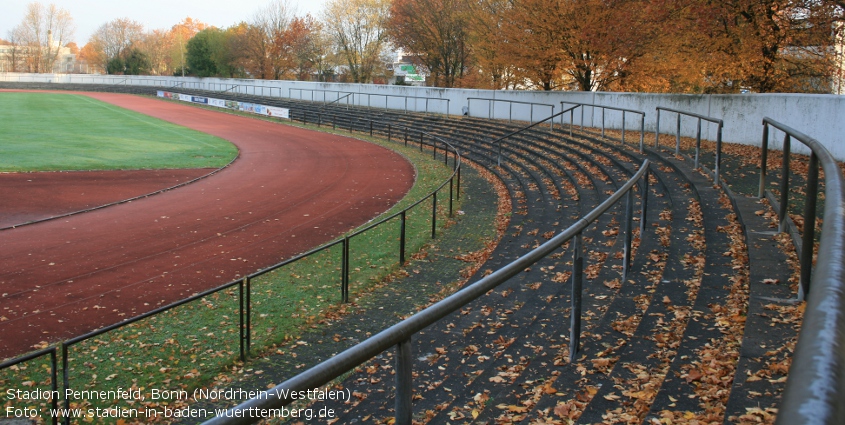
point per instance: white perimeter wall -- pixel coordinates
(819, 116)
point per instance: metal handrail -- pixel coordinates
(603, 107)
(386, 97)
(491, 110)
(500, 140)
(322, 108)
(54, 386)
(717, 121)
(816, 382)
(399, 335)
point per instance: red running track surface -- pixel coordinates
(290, 190)
(30, 197)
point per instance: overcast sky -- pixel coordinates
(88, 15)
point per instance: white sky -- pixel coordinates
(88, 15)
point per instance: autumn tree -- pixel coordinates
(156, 45)
(578, 44)
(15, 55)
(765, 46)
(263, 56)
(301, 46)
(357, 28)
(43, 31)
(176, 41)
(113, 38)
(238, 60)
(436, 32)
(92, 57)
(486, 22)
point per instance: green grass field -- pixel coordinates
(52, 132)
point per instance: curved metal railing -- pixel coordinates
(720, 123)
(399, 335)
(816, 380)
(491, 107)
(603, 108)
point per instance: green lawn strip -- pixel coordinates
(435, 272)
(57, 132)
(185, 347)
(302, 291)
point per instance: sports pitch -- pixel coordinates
(57, 132)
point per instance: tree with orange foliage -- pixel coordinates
(765, 45)
(173, 45)
(300, 46)
(436, 33)
(92, 58)
(486, 37)
(577, 44)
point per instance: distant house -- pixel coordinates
(405, 72)
(23, 58)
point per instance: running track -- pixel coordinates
(290, 190)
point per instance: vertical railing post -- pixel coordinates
(809, 236)
(459, 182)
(344, 267)
(65, 381)
(644, 209)
(388, 132)
(697, 144)
(642, 131)
(657, 130)
(421, 140)
(623, 127)
(406, 136)
(54, 384)
(571, 115)
(451, 184)
(678, 136)
(433, 214)
(575, 311)
(582, 117)
(371, 128)
(241, 321)
(718, 166)
(784, 185)
(404, 383)
(248, 329)
(764, 146)
(434, 149)
(629, 216)
(402, 231)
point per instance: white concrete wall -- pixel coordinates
(819, 116)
